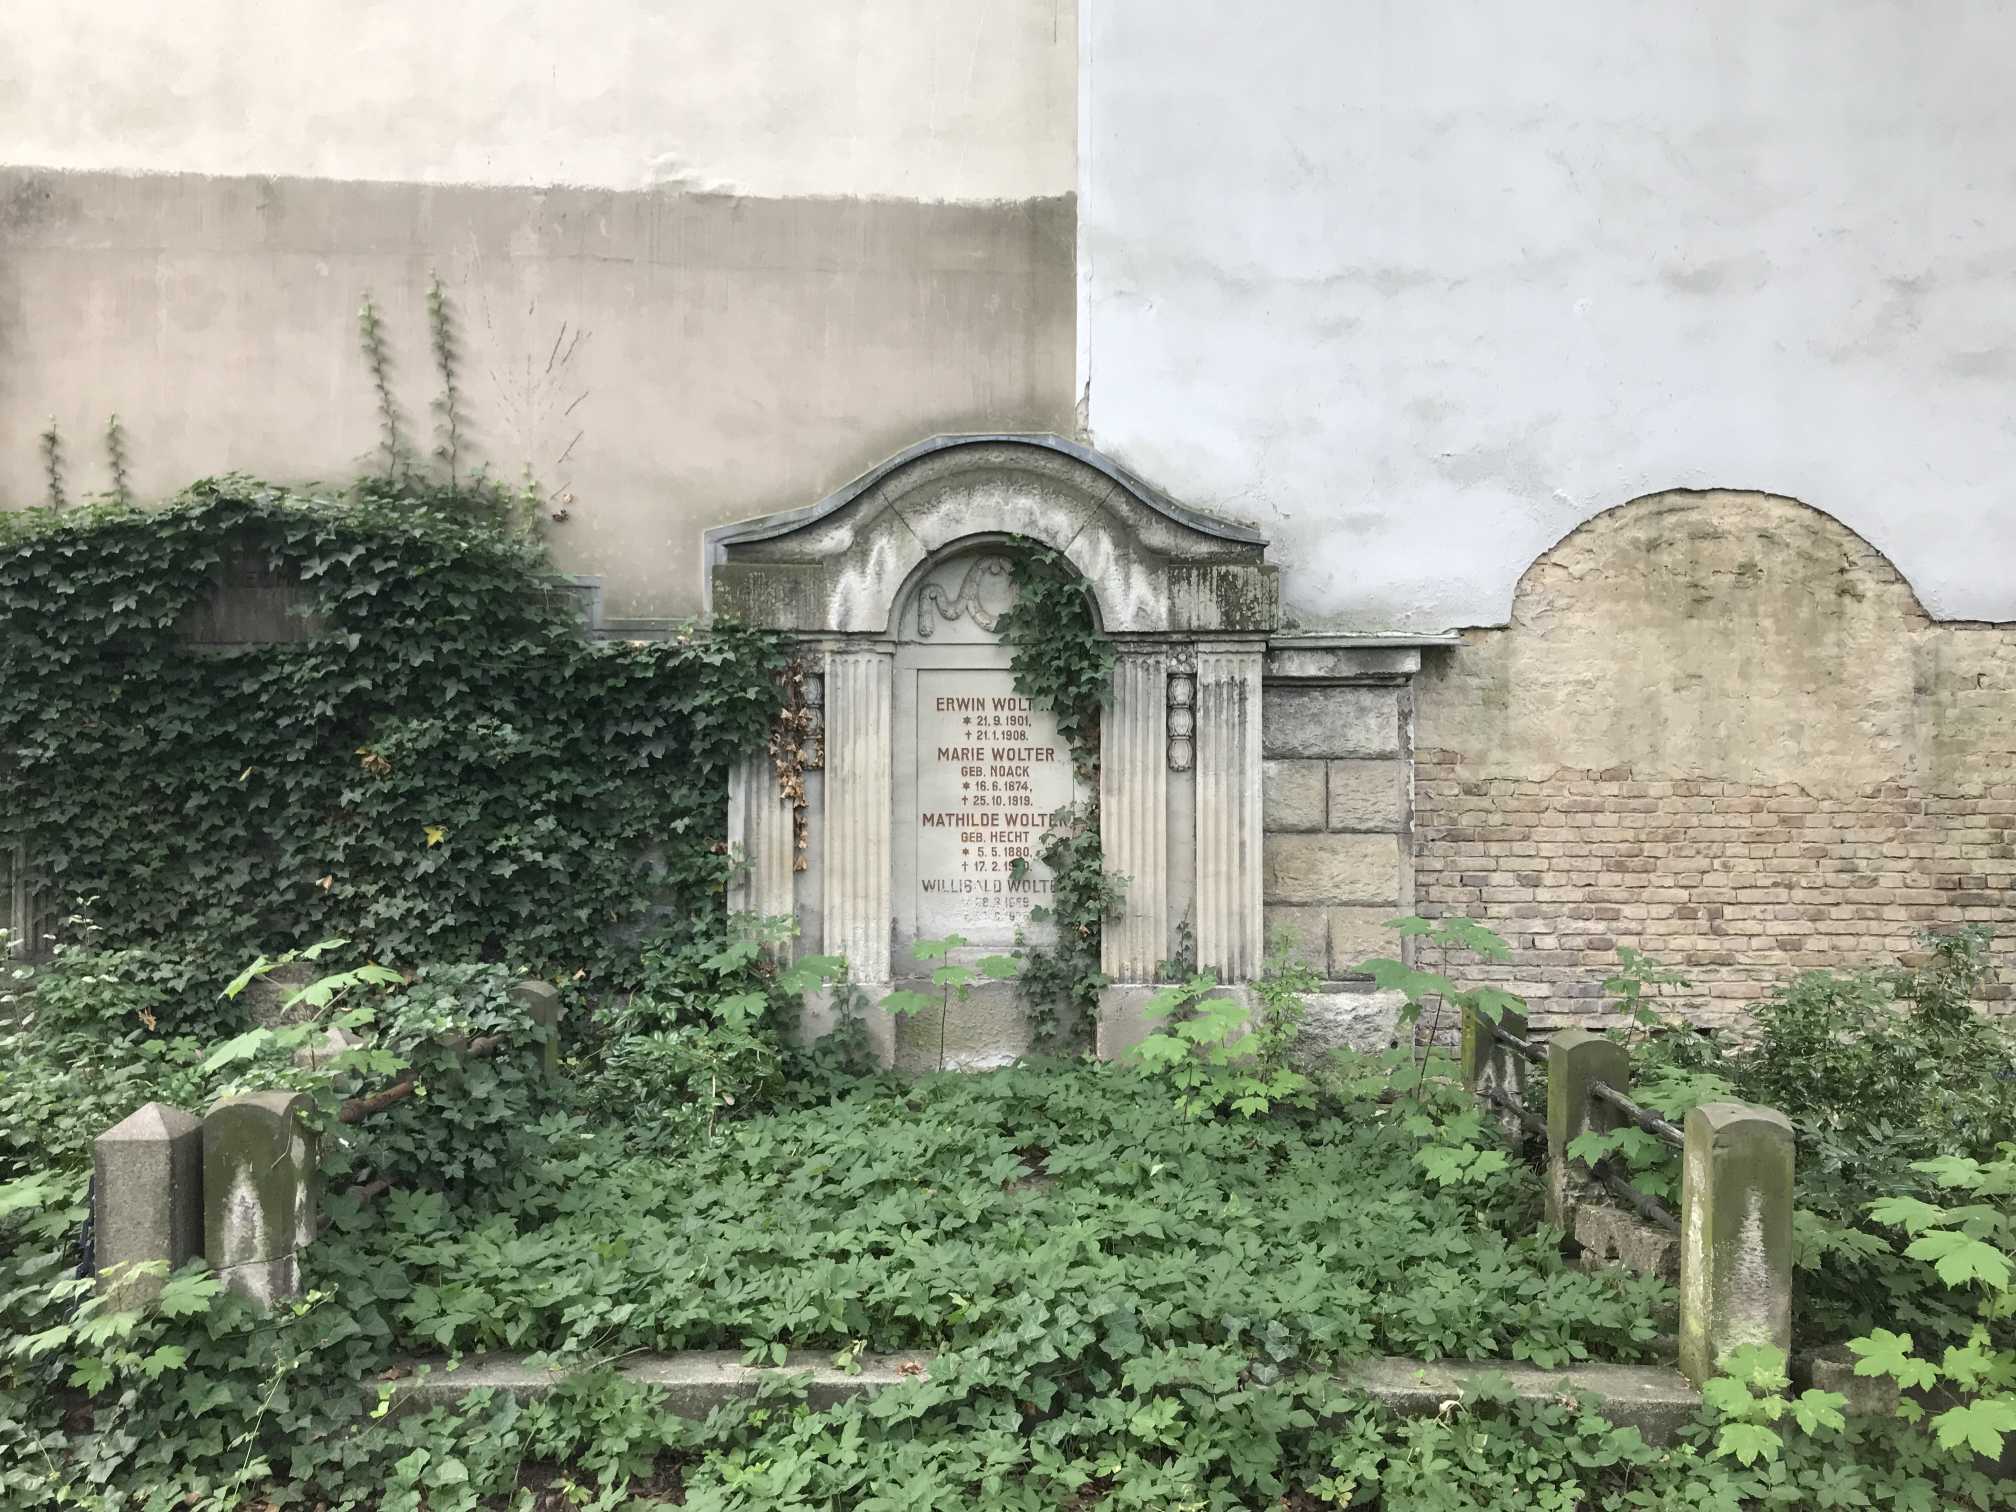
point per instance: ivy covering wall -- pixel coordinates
(440, 767)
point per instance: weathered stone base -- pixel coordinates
(819, 1018)
(1347, 1017)
(1610, 1236)
(1123, 1017)
(1654, 1399)
(989, 1029)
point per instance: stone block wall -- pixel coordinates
(1335, 810)
(1721, 730)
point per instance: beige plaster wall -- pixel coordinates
(711, 258)
(913, 99)
(662, 361)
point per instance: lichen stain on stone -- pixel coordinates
(245, 1237)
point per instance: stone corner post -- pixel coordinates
(1735, 1234)
(261, 1187)
(1576, 1061)
(147, 1199)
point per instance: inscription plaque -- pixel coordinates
(991, 771)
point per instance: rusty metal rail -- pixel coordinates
(1650, 1208)
(1640, 1116)
(1531, 1122)
(1525, 1049)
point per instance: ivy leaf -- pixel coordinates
(435, 834)
(905, 1001)
(1814, 1410)
(1958, 1259)
(167, 1357)
(240, 1047)
(1907, 1213)
(1952, 1171)
(1979, 1425)
(1748, 1442)
(188, 1293)
(1884, 1353)
(1000, 967)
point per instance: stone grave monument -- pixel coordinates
(927, 776)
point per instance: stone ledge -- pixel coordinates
(1654, 1399)
(695, 1382)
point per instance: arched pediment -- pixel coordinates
(839, 566)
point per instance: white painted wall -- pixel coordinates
(921, 99)
(1419, 285)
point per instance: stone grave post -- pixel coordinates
(1489, 1067)
(261, 1189)
(1735, 1234)
(541, 1002)
(1576, 1061)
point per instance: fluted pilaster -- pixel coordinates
(1228, 920)
(860, 734)
(1133, 814)
(762, 826)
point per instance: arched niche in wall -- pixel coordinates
(891, 586)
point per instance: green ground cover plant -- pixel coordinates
(951, 1212)
(1134, 1290)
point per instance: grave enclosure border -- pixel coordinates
(1730, 1245)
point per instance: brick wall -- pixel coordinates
(1740, 885)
